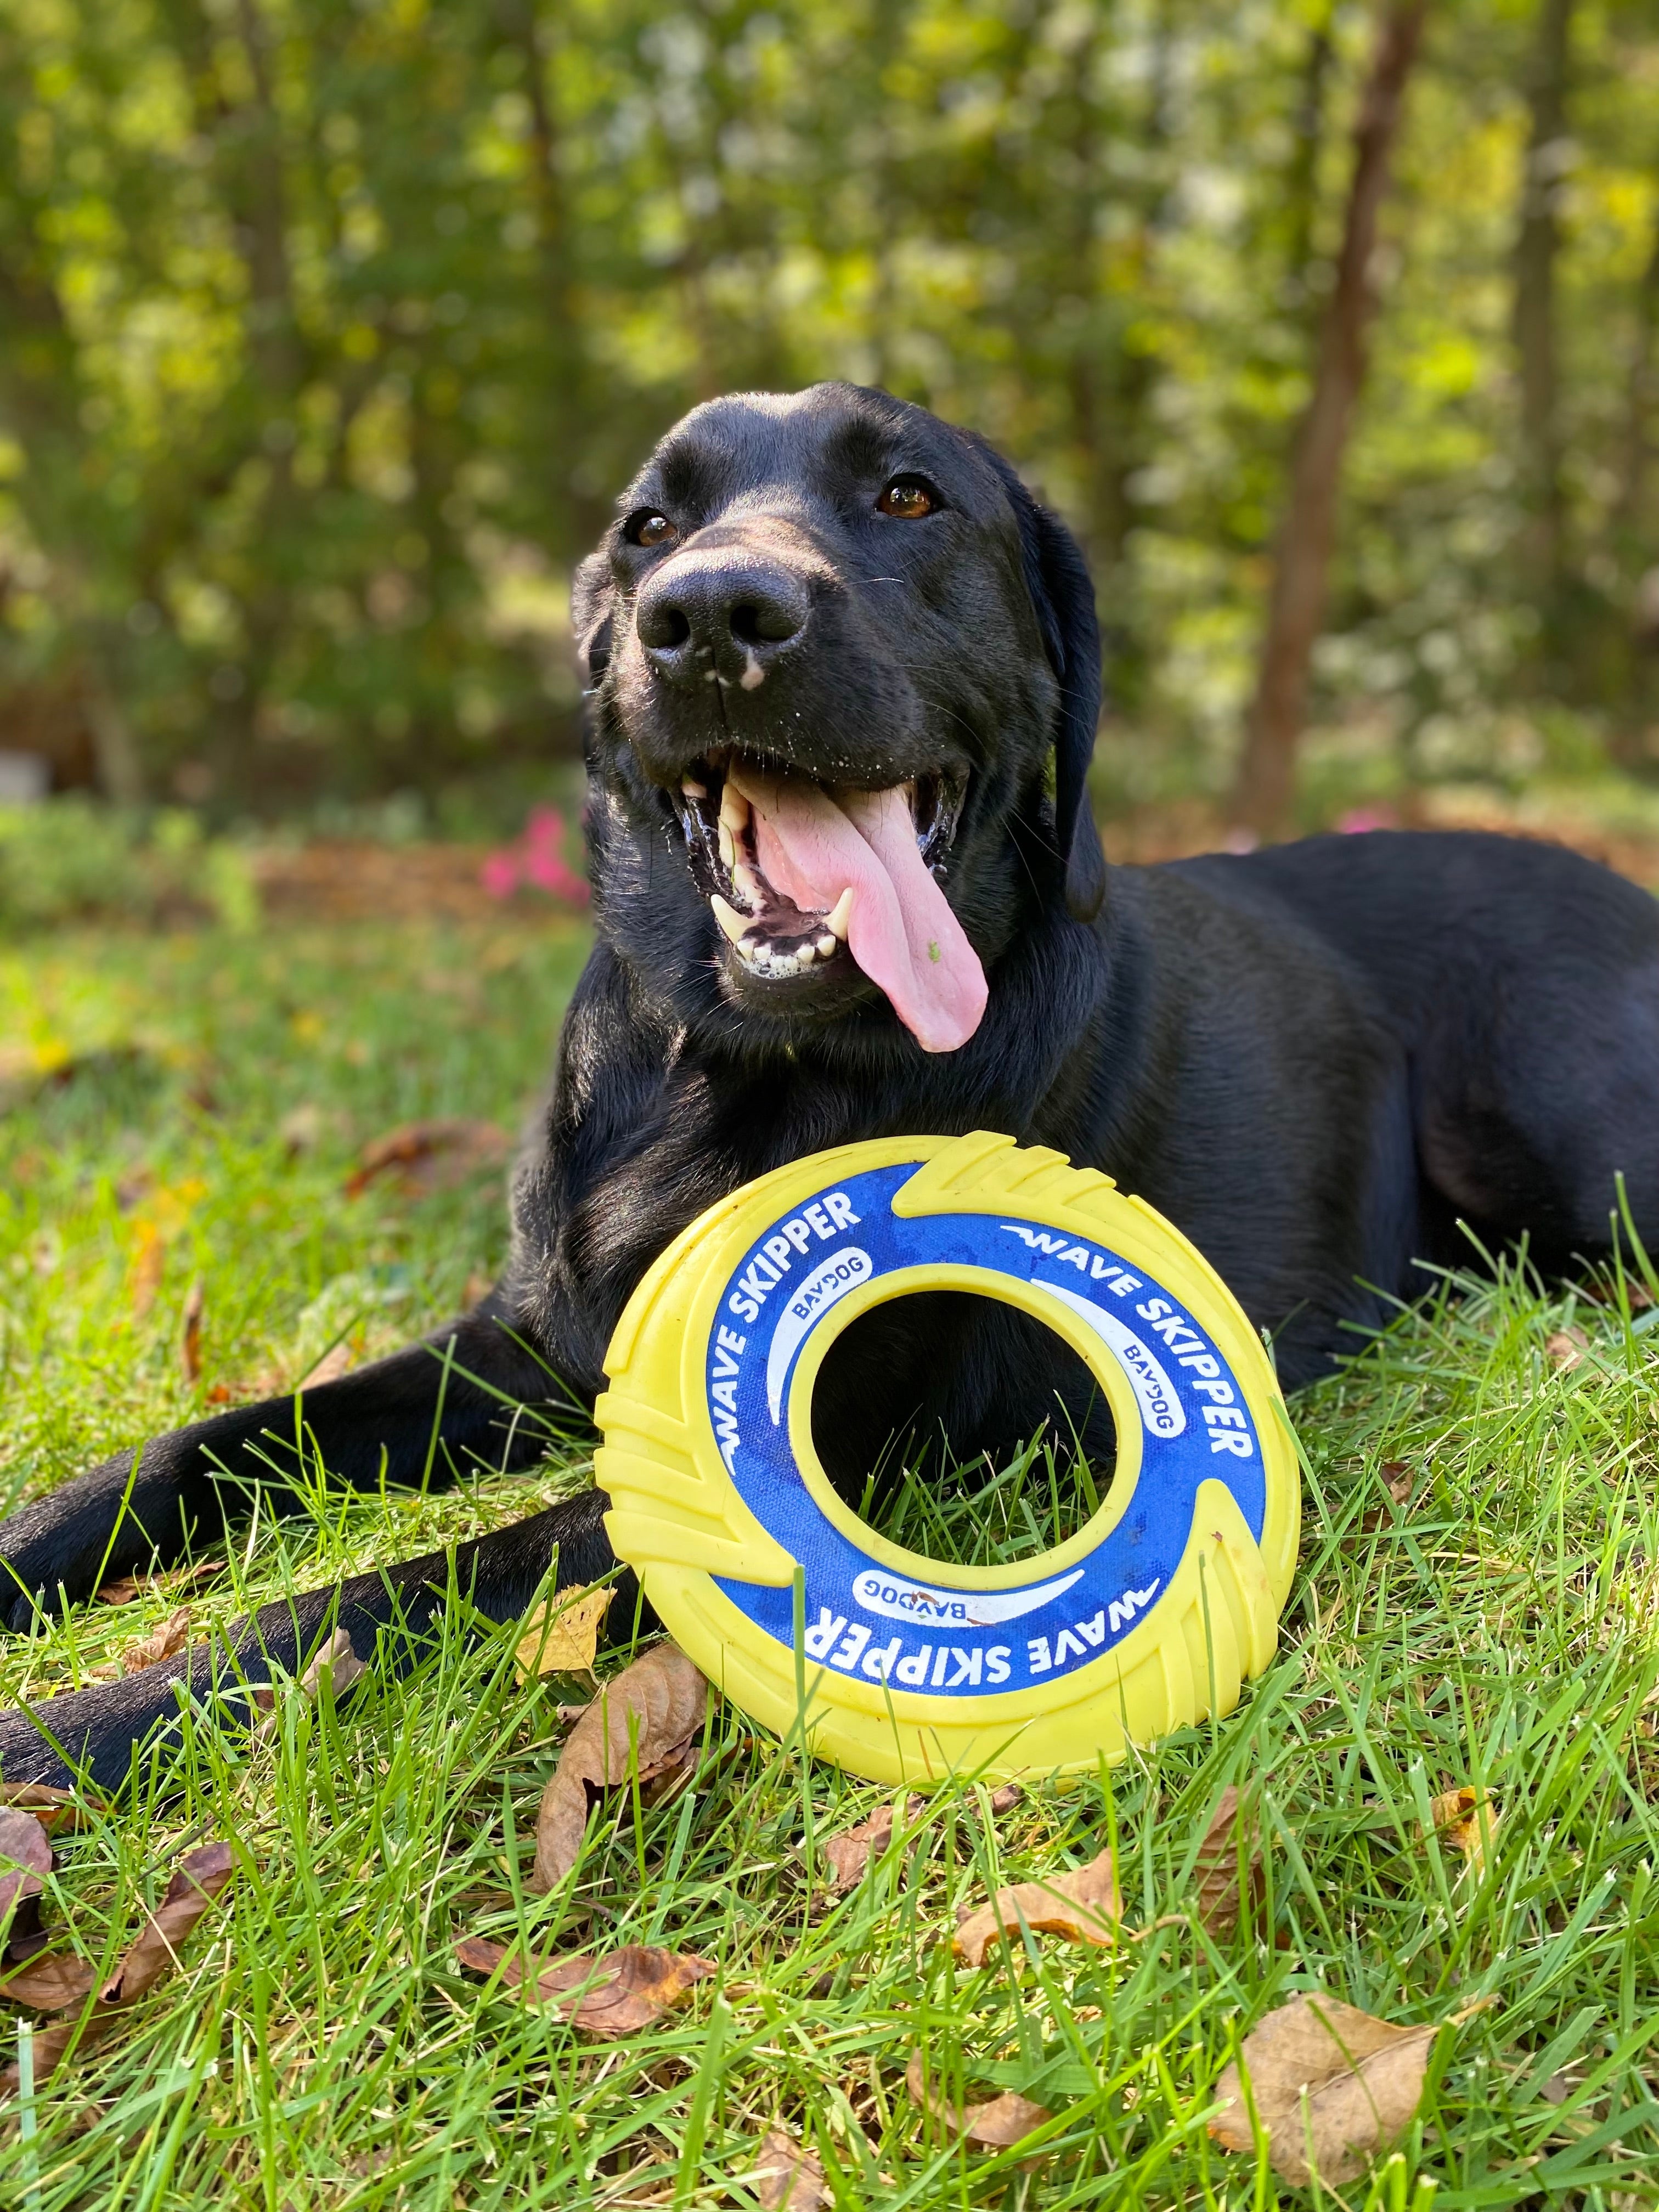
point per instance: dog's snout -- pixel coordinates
(719, 615)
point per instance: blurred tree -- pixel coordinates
(1295, 607)
(329, 329)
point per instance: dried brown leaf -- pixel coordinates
(336, 1361)
(849, 1853)
(562, 1636)
(1005, 1799)
(1331, 2086)
(649, 1714)
(1465, 1819)
(189, 1333)
(53, 1808)
(614, 1995)
(434, 1155)
(150, 1650)
(789, 2177)
(1083, 1906)
(339, 1660)
(51, 1984)
(125, 1588)
(1565, 1348)
(196, 1880)
(25, 1855)
(199, 1878)
(150, 1259)
(992, 2125)
(1216, 1873)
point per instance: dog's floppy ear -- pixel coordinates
(593, 603)
(1063, 595)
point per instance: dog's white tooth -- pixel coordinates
(734, 809)
(805, 955)
(730, 920)
(828, 942)
(836, 920)
(728, 848)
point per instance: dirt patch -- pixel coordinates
(341, 879)
(1177, 831)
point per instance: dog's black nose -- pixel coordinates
(720, 613)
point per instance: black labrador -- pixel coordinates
(844, 680)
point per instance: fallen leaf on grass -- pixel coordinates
(651, 1713)
(25, 1855)
(562, 1636)
(199, 1878)
(1331, 2086)
(1083, 1905)
(1399, 1479)
(48, 1985)
(1465, 1819)
(849, 1853)
(1565, 1348)
(149, 1259)
(1398, 1475)
(336, 1361)
(1215, 1871)
(125, 1588)
(338, 1659)
(150, 1650)
(616, 1994)
(53, 1808)
(992, 2125)
(189, 1333)
(789, 2177)
(431, 1155)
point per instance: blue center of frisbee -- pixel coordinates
(863, 1618)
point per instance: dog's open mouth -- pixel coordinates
(801, 877)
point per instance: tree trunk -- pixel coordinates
(1641, 394)
(1537, 241)
(1296, 611)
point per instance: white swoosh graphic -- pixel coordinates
(838, 1274)
(895, 1599)
(1160, 1409)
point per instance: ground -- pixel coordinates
(1475, 1607)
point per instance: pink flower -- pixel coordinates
(500, 875)
(1360, 818)
(537, 858)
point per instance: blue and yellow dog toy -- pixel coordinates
(1146, 1620)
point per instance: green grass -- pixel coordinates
(320, 2048)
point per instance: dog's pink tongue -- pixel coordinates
(900, 930)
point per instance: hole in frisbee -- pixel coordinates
(1047, 1443)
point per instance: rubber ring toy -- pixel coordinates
(1147, 1620)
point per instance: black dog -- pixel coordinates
(836, 648)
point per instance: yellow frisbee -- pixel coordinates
(1146, 1620)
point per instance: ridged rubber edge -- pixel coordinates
(678, 1518)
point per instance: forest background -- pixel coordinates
(330, 328)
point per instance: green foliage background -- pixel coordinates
(329, 328)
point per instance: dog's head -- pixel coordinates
(845, 678)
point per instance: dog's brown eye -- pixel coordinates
(906, 500)
(647, 527)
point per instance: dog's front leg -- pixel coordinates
(472, 1392)
(92, 1732)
